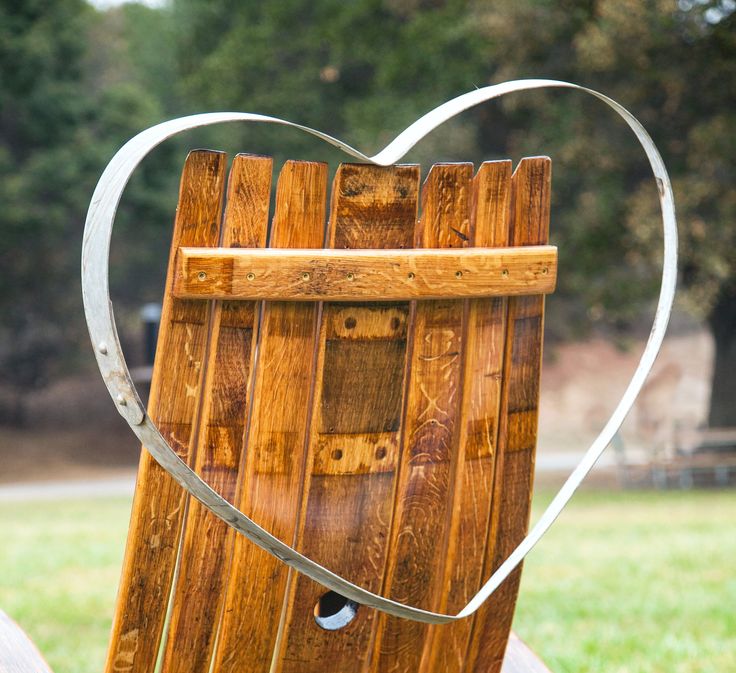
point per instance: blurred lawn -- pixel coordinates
(625, 582)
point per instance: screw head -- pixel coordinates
(202, 275)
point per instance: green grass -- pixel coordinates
(624, 583)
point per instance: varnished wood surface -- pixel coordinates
(367, 275)
(205, 554)
(485, 336)
(17, 653)
(426, 475)
(273, 473)
(391, 441)
(355, 428)
(530, 202)
(158, 504)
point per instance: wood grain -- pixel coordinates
(530, 202)
(205, 554)
(365, 275)
(446, 646)
(428, 460)
(356, 421)
(273, 472)
(158, 504)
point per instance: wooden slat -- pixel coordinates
(365, 275)
(271, 482)
(426, 476)
(530, 202)
(158, 504)
(205, 554)
(356, 423)
(447, 645)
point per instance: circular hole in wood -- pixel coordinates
(333, 611)
(505, 273)
(350, 323)
(410, 275)
(337, 454)
(458, 274)
(381, 452)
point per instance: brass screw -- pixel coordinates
(410, 275)
(305, 275)
(458, 274)
(251, 276)
(202, 275)
(351, 276)
(545, 270)
(505, 273)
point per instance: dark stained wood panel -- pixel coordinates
(159, 503)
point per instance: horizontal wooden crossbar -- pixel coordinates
(363, 275)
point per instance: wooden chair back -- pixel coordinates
(391, 441)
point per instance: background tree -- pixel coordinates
(77, 82)
(63, 110)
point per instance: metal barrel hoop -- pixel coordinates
(110, 359)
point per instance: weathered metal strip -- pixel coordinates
(115, 373)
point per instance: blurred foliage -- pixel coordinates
(76, 82)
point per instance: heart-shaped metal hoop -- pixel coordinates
(101, 324)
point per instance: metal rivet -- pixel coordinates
(102, 347)
(410, 275)
(505, 273)
(251, 276)
(305, 275)
(202, 275)
(121, 400)
(351, 276)
(458, 274)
